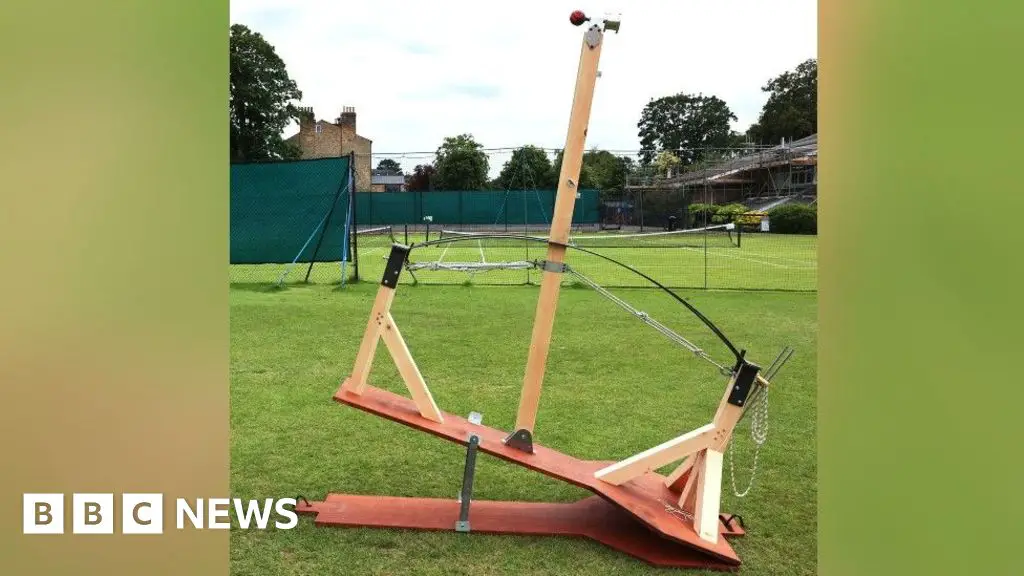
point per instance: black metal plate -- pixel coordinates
(396, 261)
(745, 376)
(520, 440)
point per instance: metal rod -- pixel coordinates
(776, 369)
(466, 495)
(323, 231)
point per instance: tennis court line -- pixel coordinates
(765, 262)
(812, 263)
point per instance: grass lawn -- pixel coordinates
(761, 262)
(614, 387)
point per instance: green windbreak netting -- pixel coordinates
(276, 208)
(279, 210)
(469, 207)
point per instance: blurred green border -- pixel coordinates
(919, 312)
(114, 246)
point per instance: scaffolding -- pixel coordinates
(756, 176)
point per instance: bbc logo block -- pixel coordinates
(43, 513)
(142, 514)
(93, 513)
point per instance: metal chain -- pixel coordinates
(677, 511)
(759, 433)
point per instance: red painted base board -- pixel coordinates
(592, 517)
(644, 498)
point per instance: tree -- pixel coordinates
(421, 179)
(791, 111)
(261, 98)
(605, 170)
(600, 169)
(389, 166)
(666, 163)
(461, 164)
(529, 168)
(686, 124)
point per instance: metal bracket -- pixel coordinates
(593, 36)
(727, 521)
(745, 377)
(396, 261)
(611, 22)
(557, 267)
(466, 495)
(520, 440)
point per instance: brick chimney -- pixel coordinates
(306, 117)
(348, 118)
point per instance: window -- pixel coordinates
(319, 128)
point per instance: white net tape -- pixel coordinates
(471, 266)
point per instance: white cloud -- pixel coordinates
(419, 71)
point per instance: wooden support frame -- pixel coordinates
(382, 326)
(700, 475)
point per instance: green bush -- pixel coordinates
(701, 213)
(728, 213)
(793, 219)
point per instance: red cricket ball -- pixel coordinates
(578, 17)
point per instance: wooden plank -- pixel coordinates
(686, 495)
(356, 382)
(540, 343)
(409, 371)
(561, 223)
(709, 494)
(645, 497)
(660, 455)
(592, 518)
(678, 477)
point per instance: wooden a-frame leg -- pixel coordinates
(356, 382)
(381, 326)
(687, 496)
(709, 496)
(709, 480)
(409, 371)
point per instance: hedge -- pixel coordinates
(793, 219)
(728, 213)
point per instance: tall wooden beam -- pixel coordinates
(561, 222)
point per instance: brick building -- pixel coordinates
(323, 139)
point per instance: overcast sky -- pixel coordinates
(504, 71)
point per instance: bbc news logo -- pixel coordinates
(144, 513)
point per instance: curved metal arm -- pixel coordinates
(704, 319)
